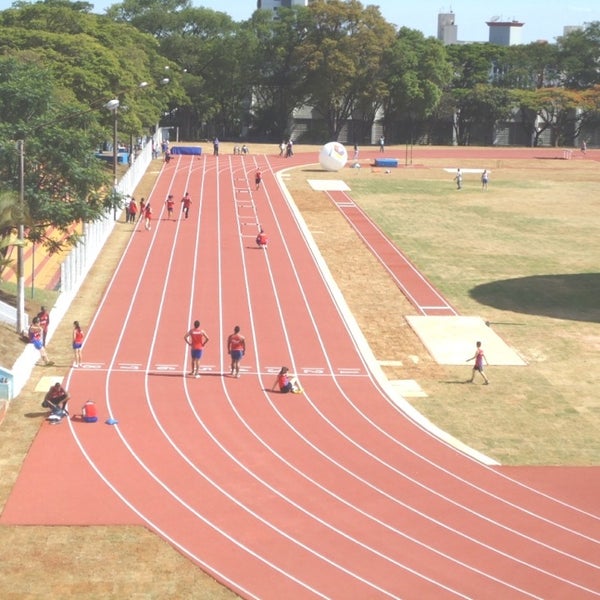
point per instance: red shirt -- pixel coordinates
(261, 239)
(57, 392)
(236, 342)
(44, 318)
(170, 203)
(186, 201)
(78, 336)
(148, 212)
(197, 338)
(89, 410)
(282, 380)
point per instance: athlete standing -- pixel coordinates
(236, 348)
(197, 339)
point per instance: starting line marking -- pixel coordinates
(176, 368)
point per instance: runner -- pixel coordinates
(170, 204)
(187, 202)
(148, 217)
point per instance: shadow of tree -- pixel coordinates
(574, 297)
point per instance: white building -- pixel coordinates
(275, 5)
(505, 33)
(447, 30)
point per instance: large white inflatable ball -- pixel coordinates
(333, 156)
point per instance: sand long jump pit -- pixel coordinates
(451, 340)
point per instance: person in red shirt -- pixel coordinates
(56, 398)
(286, 382)
(148, 217)
(170, 204)
(236, 348)
(197, 339)
(77, 343)
(44, 322)
(187, 202)
(89, 412)
(132, 210)
(258, 178)
(142, 208)
(480, 359)
(261, 239)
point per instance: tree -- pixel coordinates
(63, 182)
(580, 53)
(416, 73)
(209, 48)
(11, 215)
(92, 59)
(52, 91)
(343, 54)
(478, 111)
(532, 66)
(556, 109)
(278, 70)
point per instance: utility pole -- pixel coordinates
(21, 324)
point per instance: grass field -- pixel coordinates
(522, 255)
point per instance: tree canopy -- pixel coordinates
(59, 65)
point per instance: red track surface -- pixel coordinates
(330, 494)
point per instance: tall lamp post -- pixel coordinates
(21, 238)
(113, 106)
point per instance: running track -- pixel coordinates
(331, 494)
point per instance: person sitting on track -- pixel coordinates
(286, 382)
(261, 239)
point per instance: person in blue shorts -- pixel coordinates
(36, 337)
(286, 382)
(236, 348)
(197, 339)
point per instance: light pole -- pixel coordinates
(113, 105)
(21, 238)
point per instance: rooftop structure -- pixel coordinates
(275, 5)
(504, 33)
(447, 29)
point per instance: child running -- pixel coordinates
(170, 204)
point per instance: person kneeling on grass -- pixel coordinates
(56, 399)
(286, 382)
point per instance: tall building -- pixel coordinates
(447, 30)
(504, 33)
(275, 5)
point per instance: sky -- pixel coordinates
(543, 19)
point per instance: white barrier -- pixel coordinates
(77, 264)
